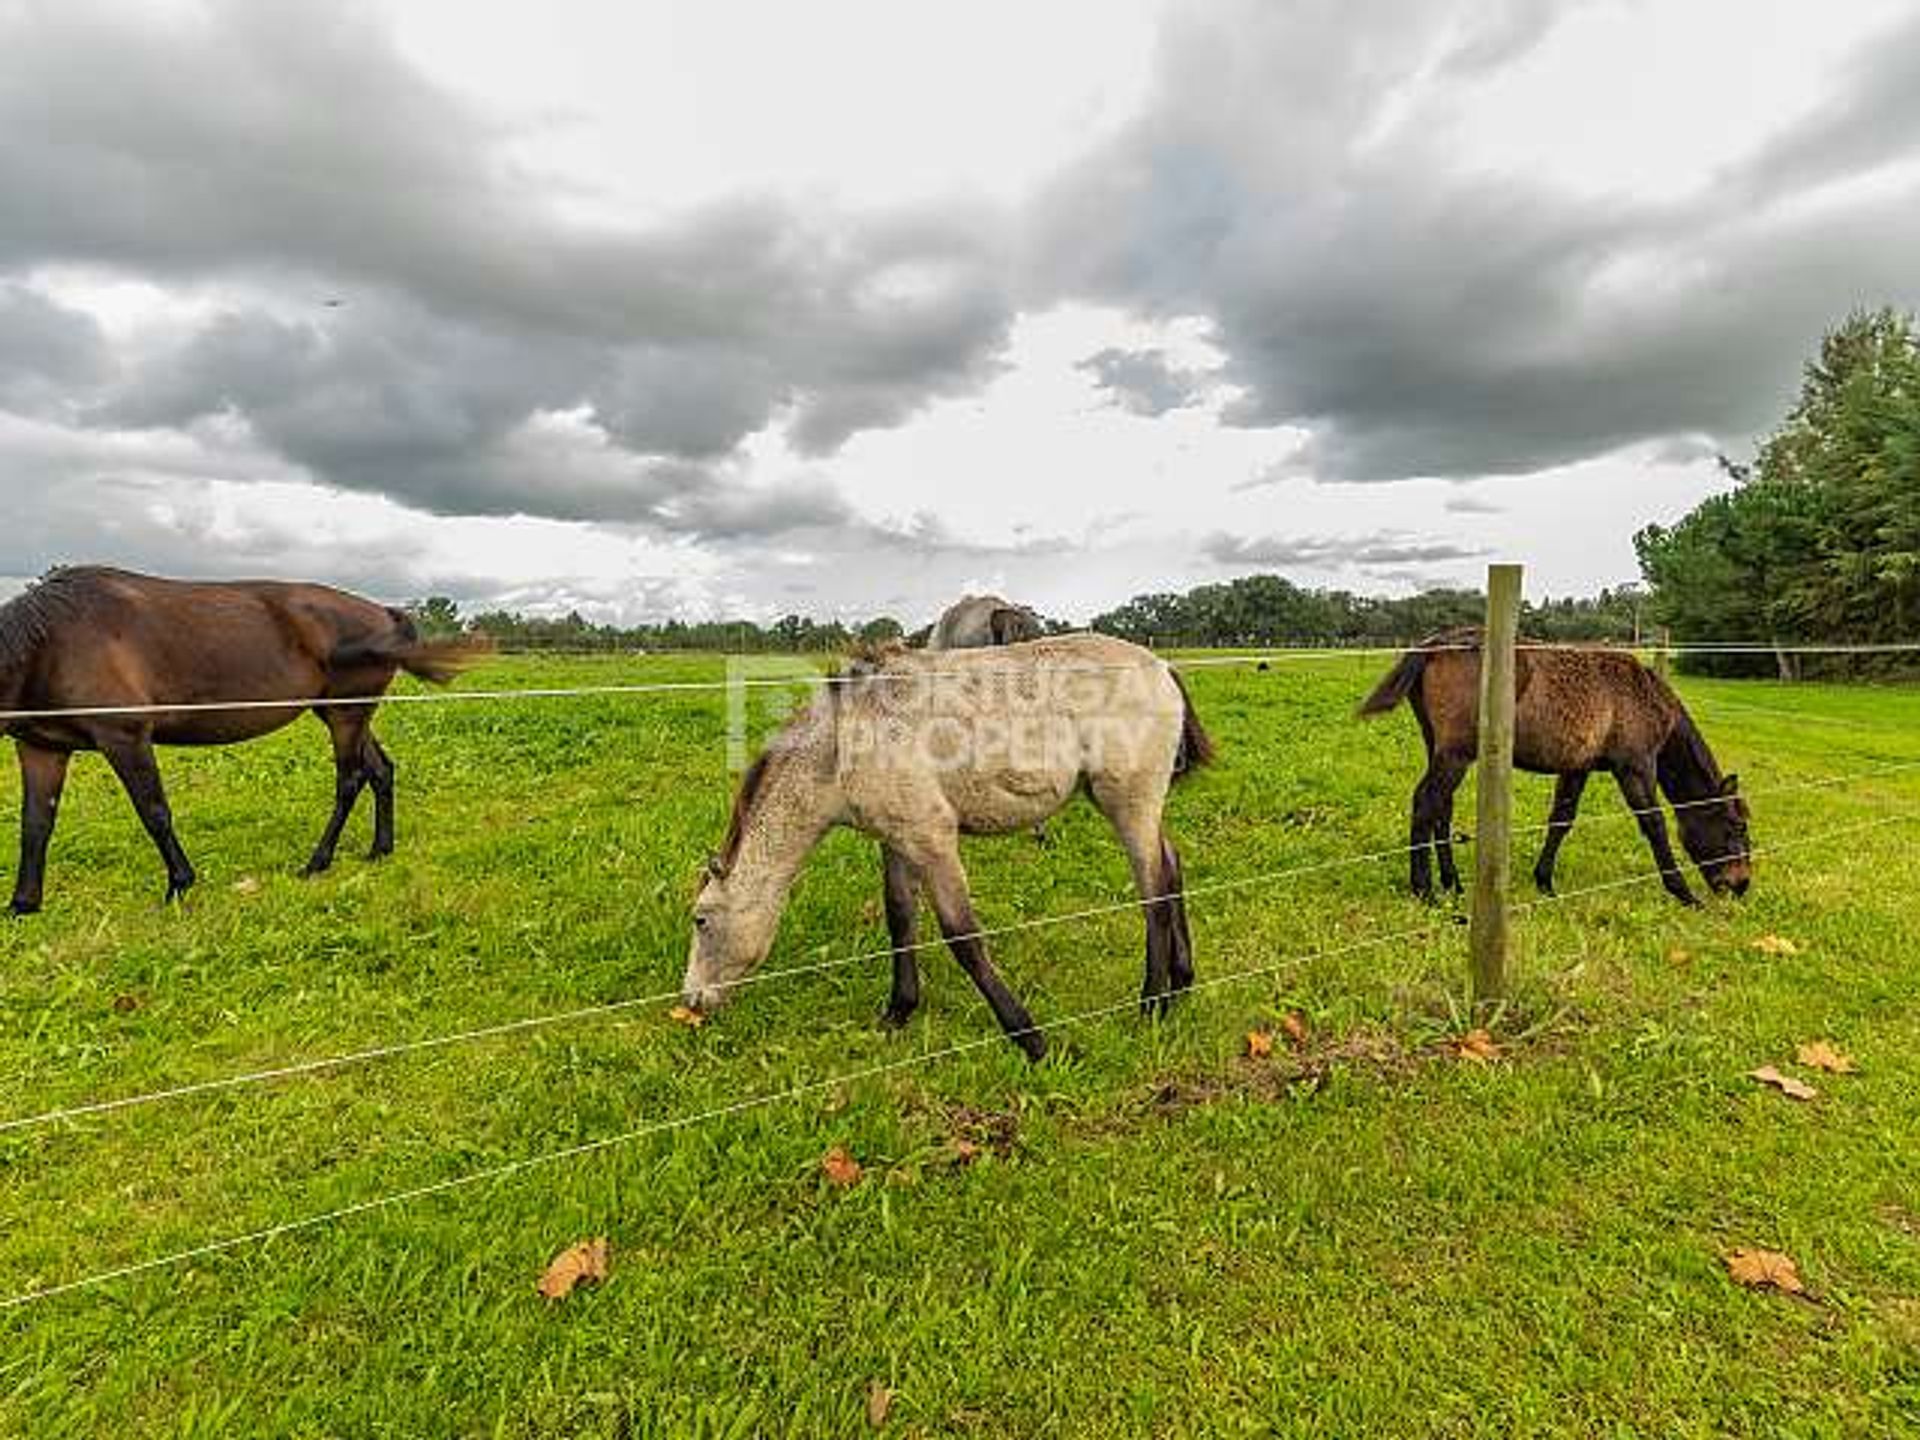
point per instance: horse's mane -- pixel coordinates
(1685, 755)
(751, 784)
(27, 621)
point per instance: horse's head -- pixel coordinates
(1714, 831)
(732, 932)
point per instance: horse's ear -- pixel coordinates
(1730, 785)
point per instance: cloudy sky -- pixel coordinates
(734, 307)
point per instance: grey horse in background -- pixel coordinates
(977, 621)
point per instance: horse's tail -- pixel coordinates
(439, 661)
(1398, 684)
(1196, 746)
(435, 661)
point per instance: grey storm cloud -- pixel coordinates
(1145, 382)
(291, 147)
(48, 352)
(1323, 551)
(1420, 316)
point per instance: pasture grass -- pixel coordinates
(1153, 1234)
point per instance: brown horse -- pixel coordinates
(91, 638)
(1577, 710)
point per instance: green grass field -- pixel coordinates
(1153, 1234)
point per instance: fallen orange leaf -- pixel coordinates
(1785, 1084)
(582, 1264)
(1295, 1024)
(841, 1168)
(1679, 955)
(1758, 1269)
(1259, 1044)
(1477, 1045)
(879, 1403)
(1819, 1055)
(1776, 945)
(690, 1018)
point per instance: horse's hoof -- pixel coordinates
(1034, 1044)
(20, 909)
(895, 1017)
(315, 867)
(1543, 885)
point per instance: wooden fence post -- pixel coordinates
(1663, 657)
(1493, 827)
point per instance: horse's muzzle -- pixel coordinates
(705, 999)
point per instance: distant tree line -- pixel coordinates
(1253, 610)
(1819, 541)
(438, 615)
(1268, 610)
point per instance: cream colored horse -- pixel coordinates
(918, 748)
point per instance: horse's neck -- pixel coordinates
(1686, 770)
(797, 806)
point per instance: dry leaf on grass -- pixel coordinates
(1820, 1055)
(840, 1167)
(1759, 1269)
(246, 885)
(1477, 1045)
(126, 1004)
(582, 1264)
(1776, 945)
(964, 1152)
(1295, 1024)
(1259, 1044)
(879, 1402)
(686, 1016)
(1679, 955)
(1785, 1084)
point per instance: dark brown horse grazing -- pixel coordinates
(94, 638)
(1577, 710)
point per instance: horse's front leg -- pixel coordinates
(1638, 787)
(42, 775)
(946, 881)
(131, 756)
(902, 902)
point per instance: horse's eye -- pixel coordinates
(700, 922)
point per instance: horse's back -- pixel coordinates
(107, 637)
(1002, 737)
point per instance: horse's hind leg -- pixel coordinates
(1450, 771)
(1566, 805)
(379, 768)
(1419, 861)
(348, 727)
(1173, 898)
(131, 757)
(42, 774)
(946, 882)
(902, 900)
(1137, 823)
